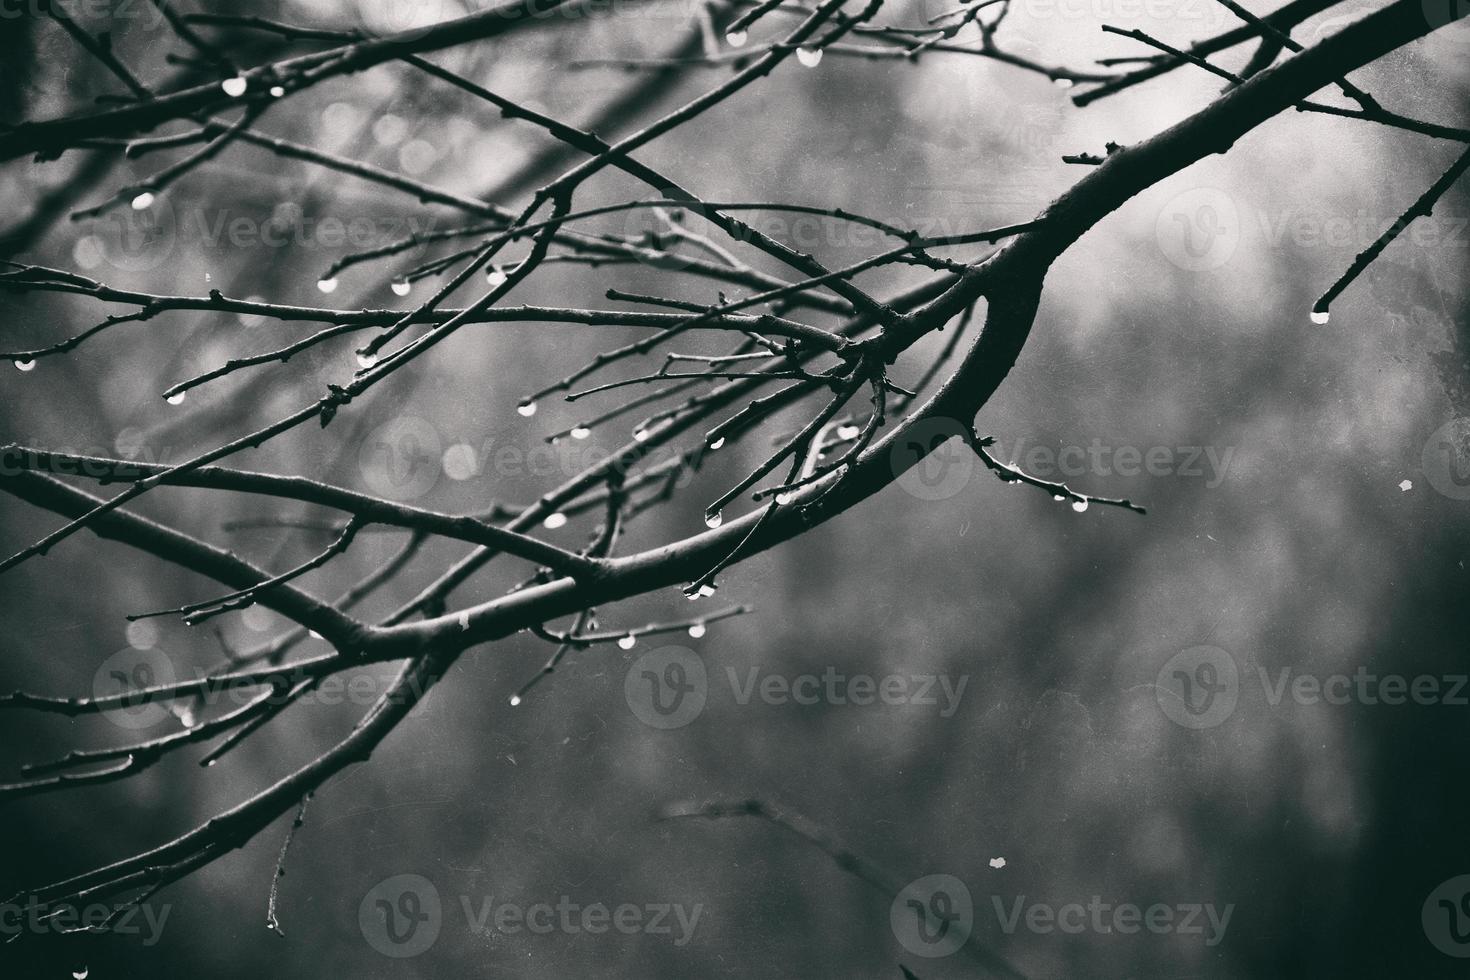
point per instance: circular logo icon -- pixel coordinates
(933, 916)
(1198, 687)
(1446, 917)
(1451, 14)
(1446, 459)
(136, 240)
(406, 19)
(932, 460)
(667, 688)
(1199, 230)
(655, 230)
(400, 916)
(132, 670)
(401, 460)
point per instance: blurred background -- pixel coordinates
(1307, 518)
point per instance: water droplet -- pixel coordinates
(143, 201)
(277, 91)
(717, 443)
(811, 57)
(706, 590)
(737, 39)
(581, 432)
(627, 642)
(848, 432)
(1406, 486)
(177, 398)
(1320, 317)
(554, 521)
(1079, 505)
(1059, 497)
(327, 285)
(1062, 82)
(26, 364)
(782, 499)
(366, 360)
(641, 435)
(234, 87)
(80, 974)
(495, 276)
(515, 700)
(526, 409)
(714, 520)
(697, 630)
(401, 287)
(997, 862)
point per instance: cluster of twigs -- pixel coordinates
(810, 340)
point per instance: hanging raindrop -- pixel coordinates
(366, 360)
(25, 365)
(782, 499)
(1062, 82)
(401, 287)
(554, 521)
(811, 57)
(143, 201)
(627, 642)
(714, 520)
(697, 630)
(277, 91)
(717, 443)
(1079, 505)
(515, 700)
(234, 87)
(495, 276)
(177, 398)
(526, 409)
(848, 432)
(327, 285)
(581, 432)
(641, 435)
(1320, 317)
(737, 39)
